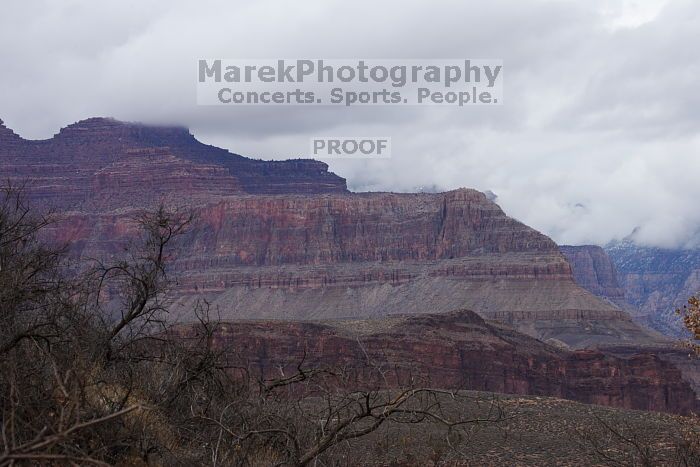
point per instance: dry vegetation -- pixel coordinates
(691, 320)
(92, 372)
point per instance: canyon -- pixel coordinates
(649, 283)
(338, 256)
(657, 282)
(458, 349)
(287, 243)
(594, 270)
(101, 164)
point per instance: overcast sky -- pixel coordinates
(598, 134)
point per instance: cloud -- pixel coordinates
(598, 134)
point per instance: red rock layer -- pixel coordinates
(594, 270)
(458, 350)
(362, 255)
(326, 229)
(285, 239)
(88, 165)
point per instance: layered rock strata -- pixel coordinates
(103, 164)
(286, 239)
(456, 350)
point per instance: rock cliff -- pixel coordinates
(458, 350)
(594, 271)
(373, 255)
(657, 281)
(103, 164)
(648, 283)
(286, 239)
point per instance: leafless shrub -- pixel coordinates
(629, 442)
(94, 371)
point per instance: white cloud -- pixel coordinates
(632, 13)
(598, 134)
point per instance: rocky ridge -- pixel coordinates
(102, 164)
(657, 281)
(458, 350)
(287, 240)
(648, 283)
(373, 255)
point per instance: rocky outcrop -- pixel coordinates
(594, 271)
(657, 281)
(264, 247)
(7, 136)
(103, 164)
(372, 255)
(286, 240)
(458, 350)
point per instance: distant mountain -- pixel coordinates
(287, 240)
(101, 164)
(649, 283)
(594, 271)
(657, 281)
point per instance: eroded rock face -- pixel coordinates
(102, 164)
(594, 271)
(286, 239)
(6, 134)
(648, 283)
(657, 281)
(459, 350)
(267, 231)
(372, 255)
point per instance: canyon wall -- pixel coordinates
(102, 164)
(657, 281)
(456, 350)
(648, 283)
(373, 255)
(594, 270)
(286, 239)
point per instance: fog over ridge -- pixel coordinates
(598, 134)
